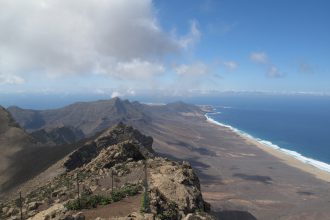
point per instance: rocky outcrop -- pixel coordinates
(175, 187)
(111, 137)
(50, 213)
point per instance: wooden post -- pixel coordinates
(78, 190)
(111, 180)
(146, 198)
(21, 204)
(145, 175)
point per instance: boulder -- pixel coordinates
(175, 185)
(5, 210)
(51, 212)
(33, 206)
(79, 216)
(140, 216)
(11, 211)
(198, 216)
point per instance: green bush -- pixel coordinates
(88, 202)
(127, 190)
(72, 205)
(92, 201)
(117, 195)
(131, 190)
(170, 213)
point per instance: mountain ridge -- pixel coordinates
(173, 188)
(92, 117)
(54, 141)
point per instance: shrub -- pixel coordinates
(88, 202)
(131, 190)
(72, 205)
(92, 201)
(117, 195)
(170, 213)
(127, 190)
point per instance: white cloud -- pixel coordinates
(119, 38)
(259, 57)
(138, 69)
(130, 92)
(231, 65)
(262, 58)
(305, 68)
(193, 36)
(273, 72)
(115, 94)
(195, 69)
(11, 79)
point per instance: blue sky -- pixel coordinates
(124, 48)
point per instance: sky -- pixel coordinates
(169, 47)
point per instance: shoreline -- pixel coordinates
(319, 169)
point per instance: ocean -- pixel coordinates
(298, 125)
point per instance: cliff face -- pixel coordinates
(118, 164)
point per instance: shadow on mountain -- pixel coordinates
(257, 178)
(31, 161)
(234, 215)
(199, 168)
(200, 150)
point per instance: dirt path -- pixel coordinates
(117, 209)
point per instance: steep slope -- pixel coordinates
(12, 140)
(115, 165)
(22, 156)
(58, 136)
(90, 117)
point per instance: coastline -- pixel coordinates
(319, 169)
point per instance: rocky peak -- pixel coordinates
(6, 120)
(118, 105)
(122, 135)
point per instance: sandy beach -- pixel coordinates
(288, 159)
(240, 174)
(291, 161)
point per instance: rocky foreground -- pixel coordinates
(119, 164)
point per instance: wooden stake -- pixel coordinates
(21, 204)
(78, 190)
(146, 198)
(145, 175)
(111, 180)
